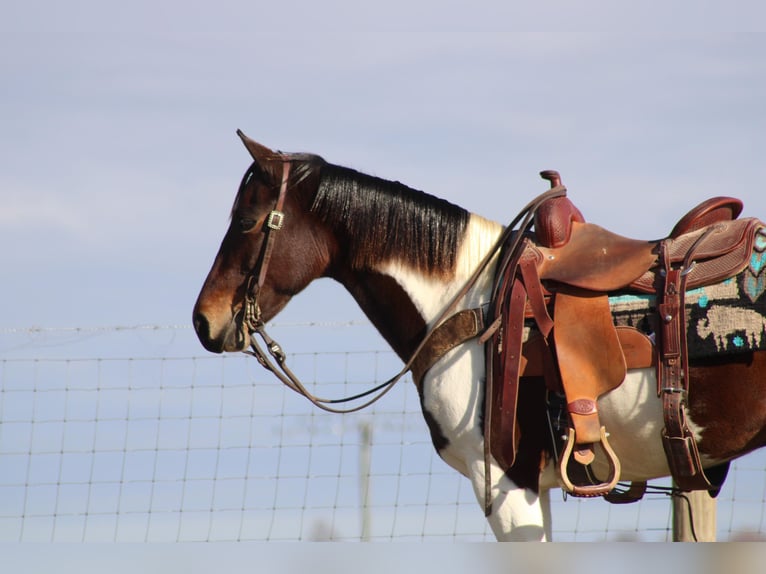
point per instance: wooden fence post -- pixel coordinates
(697, 516)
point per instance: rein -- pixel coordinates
(255, 281)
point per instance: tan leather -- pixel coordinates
(597, 259)
(589, 355)
(637, 348)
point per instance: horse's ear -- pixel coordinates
(261, 154)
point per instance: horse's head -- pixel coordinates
(274, 247)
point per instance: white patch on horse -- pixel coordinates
(431, 295)
(453, 393)
(480, 237)
(453, 389)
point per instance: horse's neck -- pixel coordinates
(432, 294)
(389, 308)
(403, 303)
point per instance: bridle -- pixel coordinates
(255, 326)
(253, 320)
(257, 276)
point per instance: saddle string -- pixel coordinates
(281, 370)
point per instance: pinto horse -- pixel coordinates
(407, 258)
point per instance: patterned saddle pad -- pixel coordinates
(729, 317)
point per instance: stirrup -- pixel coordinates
(590, 490)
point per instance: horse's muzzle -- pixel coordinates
(231, 337)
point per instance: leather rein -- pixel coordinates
(253, 321)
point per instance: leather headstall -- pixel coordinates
(257, 277)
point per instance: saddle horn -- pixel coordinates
(553, 220)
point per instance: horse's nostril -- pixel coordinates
(201, 325)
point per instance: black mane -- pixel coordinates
(381, 221)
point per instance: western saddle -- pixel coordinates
(549, 317)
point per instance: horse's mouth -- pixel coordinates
(233, 337)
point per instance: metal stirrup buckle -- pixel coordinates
(275, 220)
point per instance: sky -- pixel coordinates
(119, 160)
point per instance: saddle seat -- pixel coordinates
(596, 259)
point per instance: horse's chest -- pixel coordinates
(452, 400)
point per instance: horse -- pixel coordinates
(411, 259)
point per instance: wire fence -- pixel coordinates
(127, 434)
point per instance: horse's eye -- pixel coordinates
(246, 224)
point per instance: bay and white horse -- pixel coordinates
(404, 255)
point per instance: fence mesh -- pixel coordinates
(128, 435)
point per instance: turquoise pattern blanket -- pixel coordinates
(729, 317)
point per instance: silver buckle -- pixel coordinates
(275, 220)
